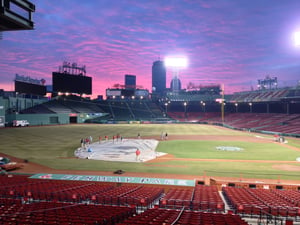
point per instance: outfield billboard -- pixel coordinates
(64, 82)
(30, 88)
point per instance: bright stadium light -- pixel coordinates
(297, 38)
(180, 62)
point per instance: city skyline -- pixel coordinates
(234, 43)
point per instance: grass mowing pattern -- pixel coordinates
(207, 150)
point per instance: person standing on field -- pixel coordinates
(137, 154)
(82, 143)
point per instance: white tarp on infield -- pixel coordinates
(118, 150)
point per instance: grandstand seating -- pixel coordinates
(36, 201)
(140, 110)
(117, 109)
(272, 122)
(146, 110)
(204, 198)
(120, 110)
(14, 212)
(167, 216)
(57, 107)
(37, 109)
(258, 201)
(62, 105)
(180, 116)
(156, 111)
(189, 217)
(207, 198)
(289, 124)
(105, 105)
(191, 96)
(132, 110)
(75, 191)
(261, 95)
(177, 198)
(81, 106)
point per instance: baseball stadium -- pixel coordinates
(173, 156)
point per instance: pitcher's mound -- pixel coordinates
(120, 150)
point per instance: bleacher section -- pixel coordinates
(65, 104)
(82, 107)
(117, 110)
(192, 96)
(262, 95)
(123, 110)
(58, 107)
(37, 109)
(155, 110)
(140, 110)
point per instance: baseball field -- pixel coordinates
(192, 151)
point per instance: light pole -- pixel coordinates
(166, 105)
(236, 107)
(297, 38)
(175, 63)
(203, 106)
(250, 106)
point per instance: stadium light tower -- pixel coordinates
(297, 38)
(236, 107)
(176, 63)
(166, 105)
(185, 104)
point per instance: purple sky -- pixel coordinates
(234, 42)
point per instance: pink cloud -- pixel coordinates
(226, 42)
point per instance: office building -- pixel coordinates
(159, 75)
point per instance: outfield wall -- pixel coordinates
(40, 119)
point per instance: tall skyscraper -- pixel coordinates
(159, 76)
(130, 81)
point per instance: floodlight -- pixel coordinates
(297, 38)
(176, 62)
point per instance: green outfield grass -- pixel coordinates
(54, 146)
(249, 151)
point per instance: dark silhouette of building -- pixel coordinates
(11, 18)
(158, 78)
(175, 84)
(130, 81)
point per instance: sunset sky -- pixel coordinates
(230, 42)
